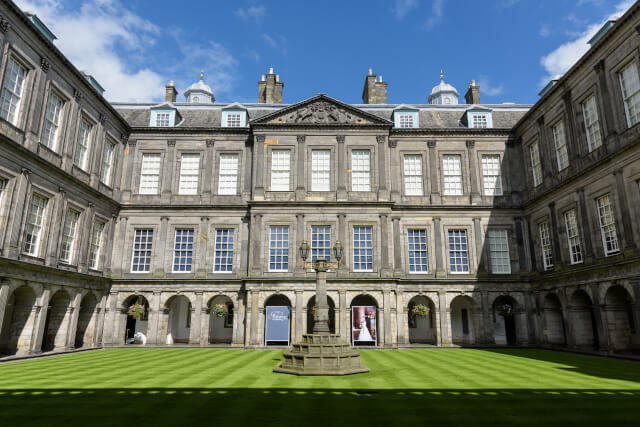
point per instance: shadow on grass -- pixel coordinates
(594, 366)
(326, 407)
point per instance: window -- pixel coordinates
(607, 225)
(499, 252)
(163, 119)
(417, 240)
(631, 92)
(183, 251)
(406, 121)
(545, 243)
(575, 250)
(458, 251)
(591, 123)
(479, 119)
(413, 175)
(96, 245)
(189, 172)
(142, 244)
(3, 186)
(12, 91)
(51, 121)
(561, 145)
(360, 170)
(34, 224)
(69, 235)
(321, 242)
(279, 248)
(107, 158)
(363, 248)
(224, 251)
(452, 175)
(82, 145)
(320, 170)
(233, 120)
(491, 175)
(536, 166)
(228, 178)
(150, 173)
(280, 169)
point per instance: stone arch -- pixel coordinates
(583, 320)
(621, 321)
(422, 329)
(604, 289)
(466, 320)
(364, 320)
(284, 315)
(131, 326)
(310, 314)
(87, 321)
(178, 312)
(57, 323)
(505, 322)
(220, 327)
(553, 318)
(19, 321)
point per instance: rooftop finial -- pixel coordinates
(370, 72)
(270, 70)
(441, 75)
(201, 74)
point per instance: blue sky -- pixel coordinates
(511, 47)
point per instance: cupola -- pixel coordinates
(199, 92)
(443, 93)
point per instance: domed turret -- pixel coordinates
(199, 92)
(443, 93)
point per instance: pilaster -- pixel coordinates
(383, 187)
(209, 165)
(397, 247)
(301, 192)
(341, 169)
(473, 172)
(168, 170)
(433, 173)
(445, 334)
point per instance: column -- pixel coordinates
(239, 322)
(522, 259)
(73, 321)
(109, 232)
(383, 187)
(205, 318)
(532, 251)
(72, 119)
(609, 127)
(167, 174)
(41, 310)
(100, 321)
(256, 244)
(94, 160)
(129, 162)
(196, 312)
(546, 158)
(571, 134)
(477, 236)
(433, 173)
(4, 297)
(300, 319)
(247, 167)
(473, 172)
(36, 104)
(384, 246)
(59, 203)
(584, 226)
(445, 335)
(299, 264)
(244, 245)
(558, 257)
(397, 246)
(85, 227)
(254, 338)
(396, 171)
(344, 315)
(258, 148)
(110, 319)
(343, 271)
(209, 165)
(600, 317)
(487, 318)
(125, 259)
(301, 192)
(154, 320)
(14, 222)
(437, 240)
(386, 298)
(401, 317)
(203, 247)
(161, 248)
(636, 292)
(531, 327)
(626, 231)
(341, 190)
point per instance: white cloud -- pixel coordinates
(402, 7)
(488, 89)
(437, 10)
(563, 57)
(505, 4)
(255, 13)
(545, 30)
(276, 42)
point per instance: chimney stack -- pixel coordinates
(473, 94)
(170, 92)
(270, 88)
(375, 90)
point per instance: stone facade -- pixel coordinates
(183, 240)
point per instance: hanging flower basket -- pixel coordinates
(420, 310)
(220, 310)
(136, 311)
(505, 310)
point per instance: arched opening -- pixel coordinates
(504, 320)
(18, 321)
(422, 328)
(364, 321)
(220, 320)
(57, 322)
(583, 321)
(179, 321)
(137, 320)
(311, 314)
(277, 325)
(621, 321)
(554, 321)
(464, 321)
(86, 329)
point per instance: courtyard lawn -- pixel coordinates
(185, 386)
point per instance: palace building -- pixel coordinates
(462, 223)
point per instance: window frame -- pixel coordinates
(445, 174)
(150, 231)
(279, 173)
(315, 249)
(621, 70)
(186, 176)
(107, 165)
(68, 242)
(285, 248)
(87, 148)
(366, 185)
(451, 251)
(370, 248)
(498, 177)
(493, 232)
(143, 175)
(225, 169)
(589, 125)
(574, 241)
(546, 244)
(182, 255)
(559, 136)
(52, 145)
(97, 223)
(536, 163)
(406, 176)
(230, 251)
(423, 230)
(18, 60)
(242, 119)
(323, 173)
(602, 226)
(42, 224)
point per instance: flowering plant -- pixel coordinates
(136, 311)
(505, 310)
(220, 310)
(420, 310)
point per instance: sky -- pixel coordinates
(512, 48)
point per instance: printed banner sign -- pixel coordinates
(363, 324)
(277, 324)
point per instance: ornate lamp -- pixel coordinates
(338, 250)
(303, 250)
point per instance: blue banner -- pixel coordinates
(277, 324)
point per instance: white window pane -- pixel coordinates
(228, 176)
(51, 121)
(417, 250)
(107, 158)
(458, 251)
(163, 119)
(96, 245)
(499, 251)
(233, 120)
(189, 173)
(545, 243)
(142, 247)
(360, 170)
(320, 170)
(150, 173)
(362, 248)
(560, 142)
(607, 225)
(575, 248)
(413, 175)
(223, 262)
(536, 166)
(82, 145)
(452, 175)
(183, 251)
(69, 235)
(321, 242)
(630, 83)
(280, 170)
(591, 123)
(12, 91)
(406, 121)
(491, 175)
(279, 248)
(34, 225)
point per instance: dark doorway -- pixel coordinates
(310, 315)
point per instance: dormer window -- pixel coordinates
(162, 117)
(234, 118)
(479, 119)
(405, 119)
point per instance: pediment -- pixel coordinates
(322, 110)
